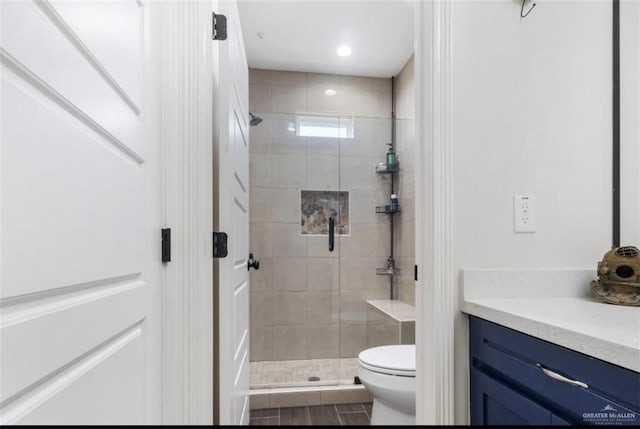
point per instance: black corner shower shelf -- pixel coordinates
(386, 210)
(389, 169)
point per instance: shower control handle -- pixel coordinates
(332, 223)
(252, 263)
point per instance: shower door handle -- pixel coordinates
(332, 223)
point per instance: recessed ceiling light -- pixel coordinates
(344, 51)
(330, 92)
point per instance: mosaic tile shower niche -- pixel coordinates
(318, 206)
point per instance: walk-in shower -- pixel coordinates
(313, 163)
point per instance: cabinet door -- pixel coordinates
(493, 403)
(559, 421)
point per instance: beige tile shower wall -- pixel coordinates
(307, 302)
(405, 226)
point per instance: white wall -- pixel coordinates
(531, 115)
(630, 122)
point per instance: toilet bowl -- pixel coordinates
(389, 374)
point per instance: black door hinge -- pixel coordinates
(415, 272)
(220, 245)
(219, 27)
(166, 244)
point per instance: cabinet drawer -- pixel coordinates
(495, 404)
(516, 359)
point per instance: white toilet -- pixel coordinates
(389, 374)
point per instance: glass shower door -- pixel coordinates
(323, 223)
(310, 312)
(366, 249)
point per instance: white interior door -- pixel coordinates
(79, 229)
(231, 207)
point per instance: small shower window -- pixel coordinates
(324, 125)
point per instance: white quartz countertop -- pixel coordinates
(561, 313)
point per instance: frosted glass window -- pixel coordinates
(316, 125)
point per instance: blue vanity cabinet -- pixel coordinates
(517, 379)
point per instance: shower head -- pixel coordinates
(255, 120)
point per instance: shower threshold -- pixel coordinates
(286, 383)
(303, 373)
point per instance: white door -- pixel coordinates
(79, 261)
(231, 208)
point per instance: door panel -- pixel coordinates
(28, 358)
(102, 388)
(240, 238)
(100, 25)
(36, 43)
(232, 216)
(78, 279)
(66, 204)
(240, 162)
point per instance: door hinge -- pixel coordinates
(220, 245)
(415, 273)
(219, 27)
(166, 244)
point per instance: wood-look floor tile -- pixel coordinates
(267, 421)
(265, 412)
(349, 408)
(294, 416)
(324, 415)
(355, 419)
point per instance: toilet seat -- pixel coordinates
(399, 360)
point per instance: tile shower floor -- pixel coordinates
(303, 373)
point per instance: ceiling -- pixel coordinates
(303, 35)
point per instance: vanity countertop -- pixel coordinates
(556, 306)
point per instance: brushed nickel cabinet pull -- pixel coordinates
(559, 377)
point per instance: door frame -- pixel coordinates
(182, 31)
(188, 330)
(436, 286)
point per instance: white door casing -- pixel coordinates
(231, 215)
(183, 33)
(79, 207)
(435, 289)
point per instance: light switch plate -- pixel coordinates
(524, 213)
